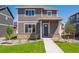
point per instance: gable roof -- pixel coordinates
(36, 6)
(2, 7)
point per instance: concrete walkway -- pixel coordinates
(51, 47)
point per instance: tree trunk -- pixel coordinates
(68, 36)
(74, 36)
(9, 37)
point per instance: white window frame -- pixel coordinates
(51, 13)
(30, 9)
(5, 15)
(31, 28)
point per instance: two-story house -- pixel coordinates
(40, 20)
(6, 19)
(74, 18)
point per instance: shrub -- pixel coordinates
(9, 31)
(12, 36)
(35, 36)
(7, 37)
(68, 36)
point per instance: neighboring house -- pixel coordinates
(6, 19)
(75, 20)
(38, 20)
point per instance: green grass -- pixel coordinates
(34, 47)
(69, 47)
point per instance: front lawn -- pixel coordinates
(69, 47)
(33, 47)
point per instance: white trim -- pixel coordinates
(41, 29)
(6, 25)
(5, 15)
(6, 18)
(60, 28)
(41, 13)
(32, 15)
(17, 21)
(48, 27)
(24, 27)
(49, 11)
(35, 28)
(29, 24)
(27, 21)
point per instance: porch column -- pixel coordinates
(60, 29)
(41, 29)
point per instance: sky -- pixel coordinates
(64, 11)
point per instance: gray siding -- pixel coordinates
(3, 20)
(5, 11)
(21, 28)
(53, 24)
(22, 16)
(9, 21)
(54, 27)
(2, 30)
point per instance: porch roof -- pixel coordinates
(50, 18)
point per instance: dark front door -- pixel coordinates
(45, 30)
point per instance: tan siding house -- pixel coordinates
(38, 20)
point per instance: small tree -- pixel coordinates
(9, 31)
(70, 28)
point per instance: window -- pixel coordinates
(73, 17)
(4, 16)
(49, 13)
(30, 28)
(77, 17)
(33, 30)
(30, 12)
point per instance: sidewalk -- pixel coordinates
(51, 47)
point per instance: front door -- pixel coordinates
(45, 29)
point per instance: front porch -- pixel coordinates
(41, 28)
(50, 29)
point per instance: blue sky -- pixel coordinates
(64, 11)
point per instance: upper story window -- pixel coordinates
(4, 16)
(49, 13)
(77, 17)
(73, 18)
(30, 12)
